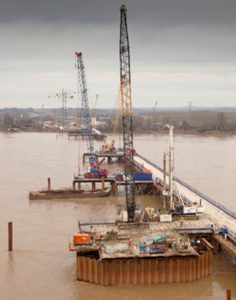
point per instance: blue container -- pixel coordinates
(142, 248)
(142, 176)
(159, 239)
(94, 171)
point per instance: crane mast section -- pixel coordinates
(126, 99)
(85, 111)
(125, 75)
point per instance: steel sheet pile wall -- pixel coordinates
(144, 270)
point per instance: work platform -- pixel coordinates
(109, 179)
(117, 156)
(77, 134)
(119, 262)
(142, 186)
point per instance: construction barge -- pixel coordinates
(70, 193)
(65, 194)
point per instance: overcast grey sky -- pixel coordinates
(181, 50)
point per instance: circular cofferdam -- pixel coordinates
(144, 270)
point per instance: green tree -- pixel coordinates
(8, 121)
(221, 122)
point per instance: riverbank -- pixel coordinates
(162, 132)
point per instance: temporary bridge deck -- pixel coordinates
(219, 215)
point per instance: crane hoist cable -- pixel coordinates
(94, 114)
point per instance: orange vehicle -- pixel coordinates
(107, 148)
(82, 239)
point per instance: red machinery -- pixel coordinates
(96, 173)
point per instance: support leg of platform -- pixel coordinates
(49, 184)
(93, 186)
(103, 184)
(113, 188)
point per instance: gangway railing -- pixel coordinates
(229, 212)
(195, 229)
(232, 235)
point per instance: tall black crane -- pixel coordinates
(126, 100)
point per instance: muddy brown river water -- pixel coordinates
(41, 267)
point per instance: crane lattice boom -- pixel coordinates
(126, 99)
(85, 111)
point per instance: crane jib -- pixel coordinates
(127, 123)
(86, 118)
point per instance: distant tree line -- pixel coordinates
(198, 122)
(143, 122)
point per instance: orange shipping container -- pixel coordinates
(82, 239)
(146, 171)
